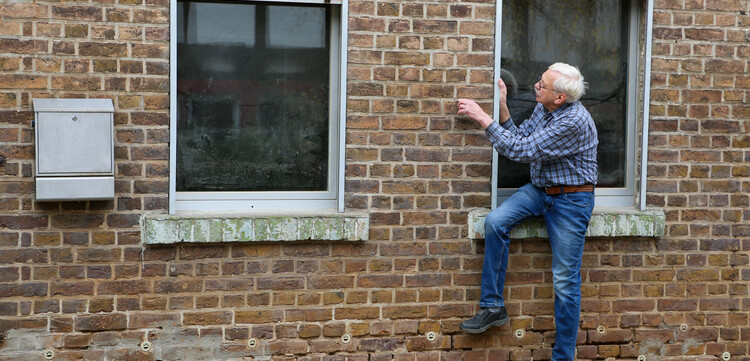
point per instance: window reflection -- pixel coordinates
(591, 34)
(253, 97)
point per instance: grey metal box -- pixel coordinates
(74, 149)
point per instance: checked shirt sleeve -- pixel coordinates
(559, 139)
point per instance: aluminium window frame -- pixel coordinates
(605, 197)
(331, 199)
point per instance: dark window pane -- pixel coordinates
(253, 97)
(591, 34)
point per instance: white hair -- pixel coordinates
(571, 82)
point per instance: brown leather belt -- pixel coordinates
(568, 189)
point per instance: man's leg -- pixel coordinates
(567, 220)
(525, 203)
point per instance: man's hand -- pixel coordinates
(472, 110)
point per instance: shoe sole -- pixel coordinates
(500, 322)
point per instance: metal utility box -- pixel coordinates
(74, 149)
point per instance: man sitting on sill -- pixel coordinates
(559, 140)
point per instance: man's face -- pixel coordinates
(545, 92)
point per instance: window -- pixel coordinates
(256, 105)
(600, 37)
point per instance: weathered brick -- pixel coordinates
(207, 318)
(258, 316)
(125, 287)
(177, 286)
(380, 281)
(368, 24)
(102, 322)
(436, 26)
(280, 283)
(424, 155)
(23, 10)
(330, 282)
(406, 58)
(24, 46)
(18, 81)
(23, 222)
(357, 313)
(704, 34)
(633, 305)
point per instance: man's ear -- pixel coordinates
(561, 98)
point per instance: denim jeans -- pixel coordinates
(567, 218)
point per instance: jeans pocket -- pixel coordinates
(580, 199)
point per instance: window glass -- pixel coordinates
(301, 28)
(252, 97)
(591, 34)
(235, 28)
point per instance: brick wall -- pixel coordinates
(698, 172)
(75, 279)
(410, 162)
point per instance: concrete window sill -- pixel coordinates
(605, 222)
(261, 227)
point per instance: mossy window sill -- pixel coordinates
(605, 222)
(158, 229)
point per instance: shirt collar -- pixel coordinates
(555, 113)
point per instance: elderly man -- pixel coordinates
(559, 140)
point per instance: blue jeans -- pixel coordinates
(567, 218)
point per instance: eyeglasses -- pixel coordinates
(538, 85)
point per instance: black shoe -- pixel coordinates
(484, 320)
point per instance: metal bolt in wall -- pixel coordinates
(252, 342)
(146, 346)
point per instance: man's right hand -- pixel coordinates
(471, 109)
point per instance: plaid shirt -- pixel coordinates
(561, 145)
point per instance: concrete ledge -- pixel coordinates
(261, 227)
(605, 222)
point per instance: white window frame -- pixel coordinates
(605, 197)
(333, 197)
